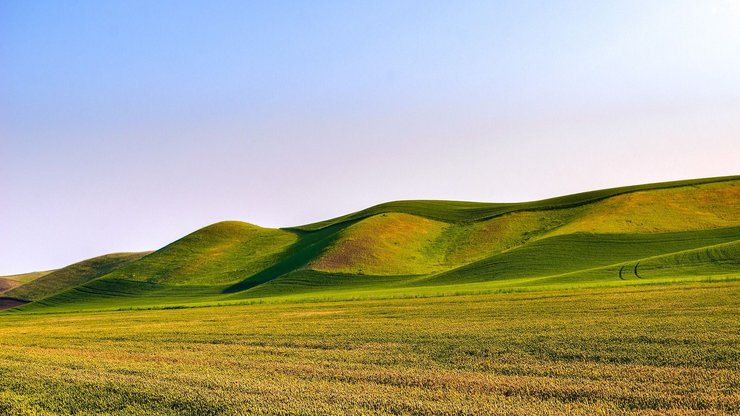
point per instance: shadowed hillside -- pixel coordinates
(671, 231)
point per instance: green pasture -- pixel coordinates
(71, 276)
(672, 233)
(622, 301)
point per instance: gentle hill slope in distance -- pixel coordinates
(671, 232)
(9, 282)
(222, 253)
(71, 276)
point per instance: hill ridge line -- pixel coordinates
(536, 205)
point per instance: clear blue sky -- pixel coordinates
(126, 124)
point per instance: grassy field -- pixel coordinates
(643, 350)
(9, 282)
(618, 301)
(422, 248)
(455, 211)
(73, 275)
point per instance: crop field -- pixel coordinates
(620, 301)
(660, 349)
(676, 231)
(237, 208)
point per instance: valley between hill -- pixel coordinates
(620, 301)
(657, 233)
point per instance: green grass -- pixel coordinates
(708, 206)
(626, 350)
(26, 277)
(716, 260)
(457, 211)
(9, 282)
(568, 242)
(622, 301)
(71, 276)
(574, 252)
(222, 253)
(401, 243)
(386, 244)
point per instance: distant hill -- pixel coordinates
(68, 277)
(670, 231)
(12, 281)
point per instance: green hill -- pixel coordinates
(222, 253)
(674, 231)
(71, 276)
(457, 211)
(9, 282)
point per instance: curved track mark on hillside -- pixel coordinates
(620, 273)
(635, 271)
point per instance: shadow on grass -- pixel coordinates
(308, 247)
(7, 303)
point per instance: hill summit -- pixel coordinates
(671, 231)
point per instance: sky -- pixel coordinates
(125, 125)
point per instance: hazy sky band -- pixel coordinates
(124, 125)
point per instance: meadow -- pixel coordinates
(658, 349)
(620, 301)
(686, 230)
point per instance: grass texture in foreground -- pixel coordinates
(645, 350)
(622, 301)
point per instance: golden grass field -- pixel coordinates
(660, 349)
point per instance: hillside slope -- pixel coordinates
(12, 281)
(71, 276)
(222, 253)
(392, 243)
(459, 211)
(422, 247)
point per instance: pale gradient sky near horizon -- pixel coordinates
(125, 125)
